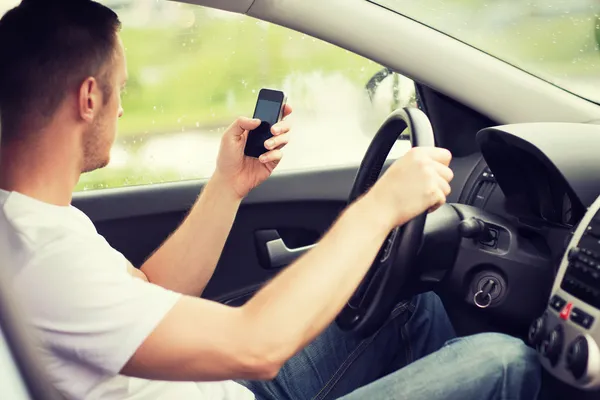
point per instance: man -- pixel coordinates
(111, 331)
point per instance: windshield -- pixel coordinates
(556, 40)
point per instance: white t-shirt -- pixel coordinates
(90, 313)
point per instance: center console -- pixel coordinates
(567, 335)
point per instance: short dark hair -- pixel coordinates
(47, 49)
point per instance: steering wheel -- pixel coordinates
(385, 283)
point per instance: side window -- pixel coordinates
(193, 70)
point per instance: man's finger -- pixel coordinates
(438, 154)
(277, 142)
(287, 110)
(280, 128)
(445, 187)
(271, 156)
(243, 124)
(444, 171)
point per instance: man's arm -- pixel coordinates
(203, 340)
(210, 341)
(187, 260)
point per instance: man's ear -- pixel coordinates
(89, 100)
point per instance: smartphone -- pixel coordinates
(269, 109)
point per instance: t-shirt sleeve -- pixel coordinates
(87, 307)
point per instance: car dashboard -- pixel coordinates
(541, 176)
(545, 179)
(547, 171)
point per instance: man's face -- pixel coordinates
(100, 136)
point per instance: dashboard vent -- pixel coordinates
(482, 189)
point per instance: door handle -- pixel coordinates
(273, 252)
(280, 255)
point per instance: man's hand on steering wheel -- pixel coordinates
(417, 182)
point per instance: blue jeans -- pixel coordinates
(414, 356)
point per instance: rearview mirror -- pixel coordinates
(388, 91)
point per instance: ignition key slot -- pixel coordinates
(488, 289)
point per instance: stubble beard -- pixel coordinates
(96, 147)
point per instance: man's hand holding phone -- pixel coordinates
(240, 172)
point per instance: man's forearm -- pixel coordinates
(203, 340)
(299, 303)
(187, 260)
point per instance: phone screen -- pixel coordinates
(268, 108)
(268, 111)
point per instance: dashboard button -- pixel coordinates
(585, 260)
(552, 346)
(593, 230)
(577, 357)
(568, 284)
(590, 253)
(581, 318)
(557, 303)
(537, 331)
(564, 314)
(574, 253)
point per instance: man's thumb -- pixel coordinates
(243, 124)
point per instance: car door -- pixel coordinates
(192, 71)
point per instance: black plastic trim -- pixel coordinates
(326, 184)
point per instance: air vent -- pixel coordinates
(482, 189)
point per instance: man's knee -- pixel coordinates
(505, 354)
